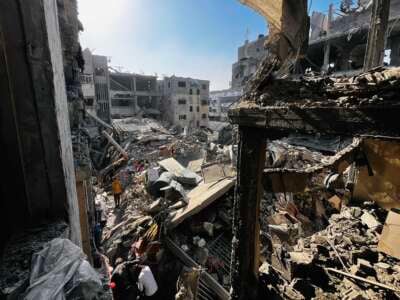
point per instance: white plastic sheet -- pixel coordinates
(60, 271)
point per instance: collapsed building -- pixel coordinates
(338, 40)
(309, 251)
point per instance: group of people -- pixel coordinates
(133, 278)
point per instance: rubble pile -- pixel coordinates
(322, 265)
(169, 219)
(376, 87)
(162, 199)
(284, 155)
(207, 238)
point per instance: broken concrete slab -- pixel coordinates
(183, 175)
(199, 198)
(389, 241)
(369, 220)
(213, 172)
(195, 165)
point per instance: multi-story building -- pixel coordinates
(220, 101)
(87, 83)
(249, 57)
(96, 85)
(102, 87)
(132, 94)
(338, 43)
(185, 101)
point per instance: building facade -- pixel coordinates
(338, 43)
(95, 82)
(132, 94)
(102, 87)
(249, 57)
(220, 101)
(87, 83)
(185, 101)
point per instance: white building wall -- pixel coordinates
(185, 104)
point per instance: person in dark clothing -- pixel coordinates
(125, 277)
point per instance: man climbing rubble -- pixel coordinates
(117, 191)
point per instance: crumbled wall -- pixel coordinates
(384, 186)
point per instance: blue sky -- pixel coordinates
(193, 38)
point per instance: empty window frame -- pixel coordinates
(182, 84)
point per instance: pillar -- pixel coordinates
(327, 47)
(246, 227)
(377, 34)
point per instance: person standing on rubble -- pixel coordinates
(117, 191)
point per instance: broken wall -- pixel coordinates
(384, 186)
(288, 25)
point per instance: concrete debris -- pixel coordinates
(389, 240)
(313, 266)
(375, 87)
(164, 195)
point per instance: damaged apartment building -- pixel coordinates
(342, 202)
(338, 39)
(95, 82)
(185, 101)
(133, 94)
(249, 57)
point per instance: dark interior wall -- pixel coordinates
(33, 187)
(11, 162)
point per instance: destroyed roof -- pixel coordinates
(319, 162)
(137, 125)
(364, 104)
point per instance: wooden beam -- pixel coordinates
(115, 144)
(100, 121)
(246, 227)
(377, 34)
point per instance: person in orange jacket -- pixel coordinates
(117, 191)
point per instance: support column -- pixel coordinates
(377, 34)
(327, 48)
(135, 100)
(246, 227)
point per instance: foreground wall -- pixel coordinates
(36, 151)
